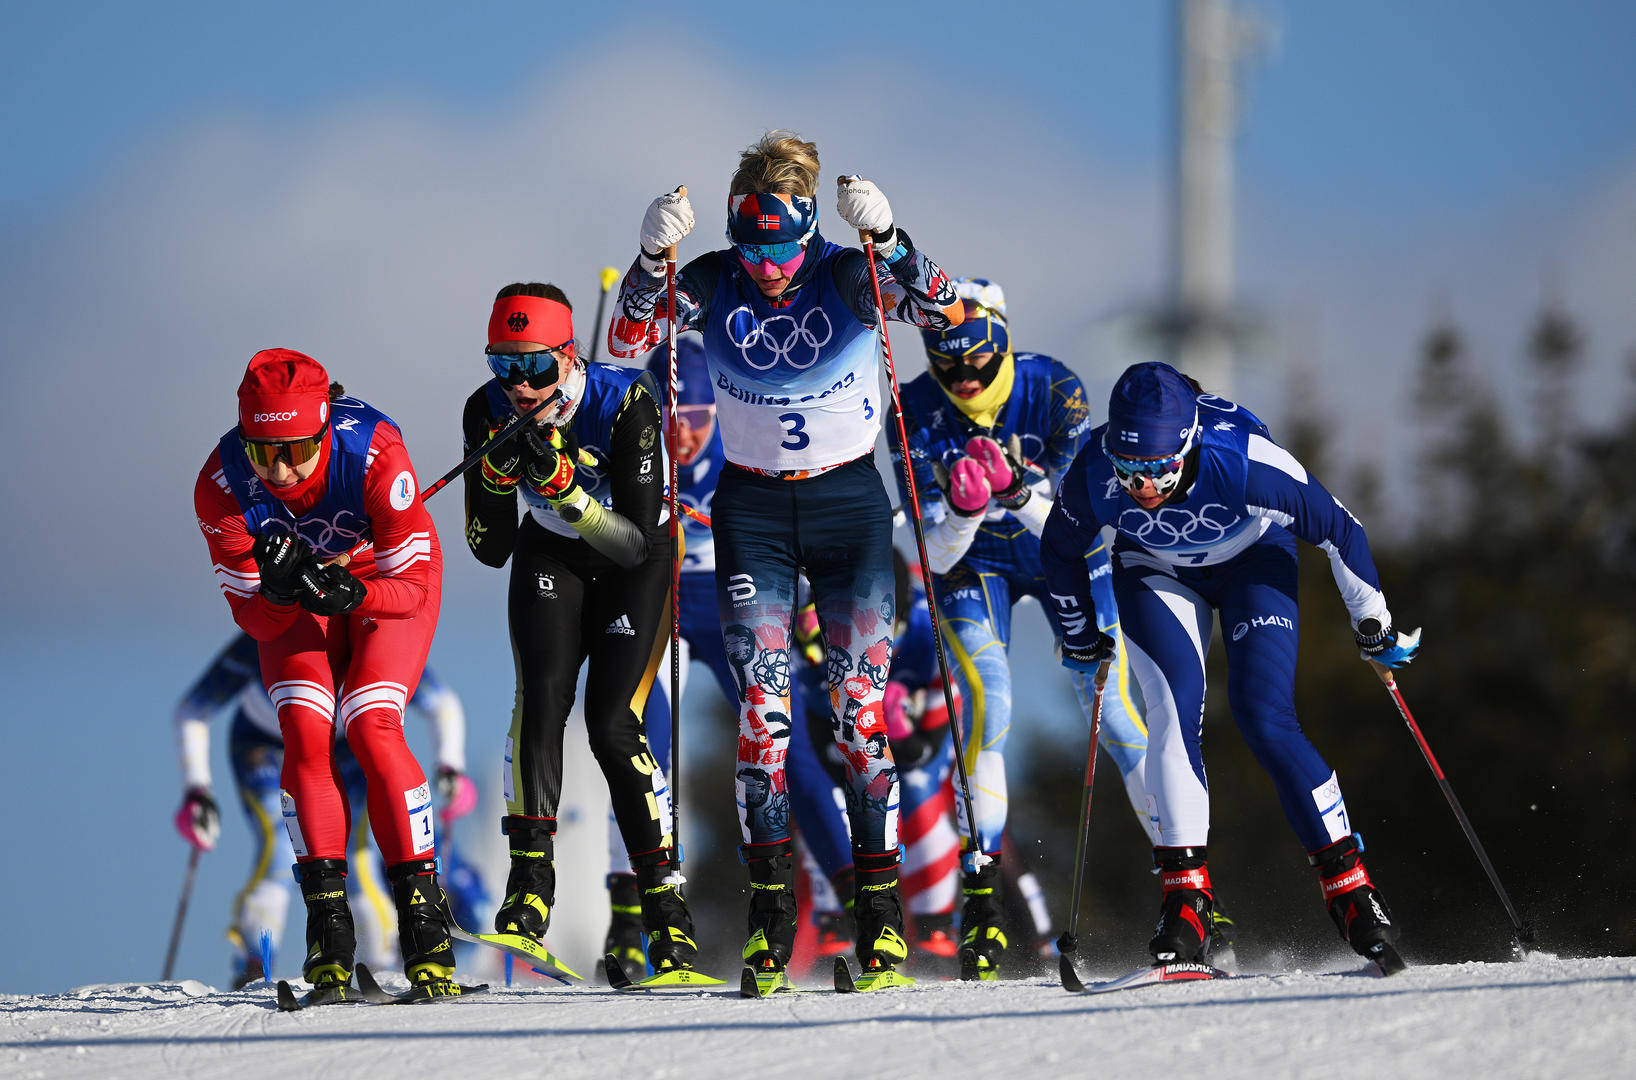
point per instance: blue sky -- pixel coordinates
(187, 183)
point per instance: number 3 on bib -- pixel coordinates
(795, 435)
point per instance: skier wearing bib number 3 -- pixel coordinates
(1207, 508)
(308, 476)
(790, 338)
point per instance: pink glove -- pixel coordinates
(1005, 476)
(968, 490)
(458, 792)
(898, 724)
(198, 819)
(987, 453)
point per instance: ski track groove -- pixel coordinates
(1543, 1017)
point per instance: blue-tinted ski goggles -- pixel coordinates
(538, 369)
(777, 254)
(1164, 473)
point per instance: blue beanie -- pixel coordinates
(695, 388)
(1151, 412)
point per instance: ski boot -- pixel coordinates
(1183, 933)
(665, 917)
(934, 935)
(982, 923)
(531, 886)
(772, 924)
(626, 939)
(1359, 911)
(879, 913)
(330, 939)
(423, 923)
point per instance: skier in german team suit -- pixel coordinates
(791, 340)
(590, 573)
(1207, 509)
(309, 476)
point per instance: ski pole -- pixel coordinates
(181, 914)
(507, 430)
(607, 278)
(1522, 932)
(675, 877)
(979, 858)
(1068, 943)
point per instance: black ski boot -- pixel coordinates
(879, 912)
(531, 886)
(1183, 933)
(423, 922)
(982, 922)
(626, 939)
(1359, 911)
(772, 905)
(330, 939)
(665, 918)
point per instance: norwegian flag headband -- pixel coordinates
(760, 218)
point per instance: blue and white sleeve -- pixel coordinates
(441, 707)
(1279, 488)
(1070, 533)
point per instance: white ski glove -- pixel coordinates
(861, 205)
(668, 220)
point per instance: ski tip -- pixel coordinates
(1388, 960)
(286, 998)
(843, 977)
(1071, 981)
(747, 985)
(614, 972)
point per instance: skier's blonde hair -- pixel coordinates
(780, 163)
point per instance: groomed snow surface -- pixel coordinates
(1543, 1017)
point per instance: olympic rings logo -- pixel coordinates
(770, 335)
(1175, 525)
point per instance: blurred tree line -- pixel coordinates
(1518, 564)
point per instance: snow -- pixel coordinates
(1541, 1017)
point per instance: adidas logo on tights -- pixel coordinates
(621, 625)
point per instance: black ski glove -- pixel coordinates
(280, 557)
(330, 589)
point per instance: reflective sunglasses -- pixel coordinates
(696, 416)
(538, 369)
(1163, 473)
(295, 451)
(777, 254)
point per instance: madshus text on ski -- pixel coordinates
(723, 503)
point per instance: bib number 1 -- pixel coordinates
(795, 435)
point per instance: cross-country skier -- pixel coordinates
(590, 585)
(1207, 509)
(790, 336)
(991, 432)
(256, 751)
(699, 461)
(917, 728)
(309, 476)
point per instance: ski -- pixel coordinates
(614, 972)
(886, 979)
(328, 994)
(376, 994)
(1386, 959)
(1177, 972)
(760, 984)
(523, 948)
(974, 968)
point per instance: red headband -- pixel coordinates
(533, 319)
